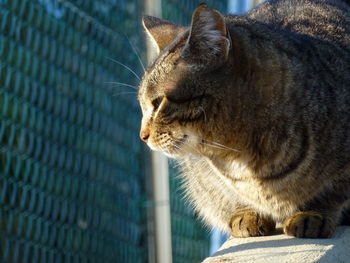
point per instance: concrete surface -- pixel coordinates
(282, 249)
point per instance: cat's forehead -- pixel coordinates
(163, 67)
(164, 71)
(161, 76)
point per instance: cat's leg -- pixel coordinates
(248, 223)
(319, 218)
(309, 224)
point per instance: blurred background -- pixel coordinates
(76, 183)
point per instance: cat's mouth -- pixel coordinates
(172, 147)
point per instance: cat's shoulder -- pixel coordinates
(321, 19)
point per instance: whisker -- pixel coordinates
(194, 149)
(174, 143)
(166, 150)
(226, 147)
(188, 145)
(177, 147)
(125, 66)
(123, 93)
(122, 84)
(136, 53)
(214, 144)
(162, 149)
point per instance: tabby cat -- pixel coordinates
(256, 110)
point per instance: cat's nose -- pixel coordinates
(144, 134)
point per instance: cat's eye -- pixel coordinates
(156, 102)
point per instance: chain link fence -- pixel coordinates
(71, 173)
(72, 169)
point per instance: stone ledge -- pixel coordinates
(282, 249)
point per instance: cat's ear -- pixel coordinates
(161, 32)
(209, 42)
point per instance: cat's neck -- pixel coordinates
(260, 71)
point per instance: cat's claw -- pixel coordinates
(309, 224)
(248, 223)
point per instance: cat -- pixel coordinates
(256, 110)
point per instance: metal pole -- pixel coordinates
(162, 208)
(160, 175)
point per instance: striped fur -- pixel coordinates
(262, 130)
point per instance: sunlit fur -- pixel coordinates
(258, 113)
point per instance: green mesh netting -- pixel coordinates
(180, 11)
(72, 181)
(71, 172)
(190, 240)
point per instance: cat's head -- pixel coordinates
(181, 92)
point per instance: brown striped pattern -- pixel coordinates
(263, 133)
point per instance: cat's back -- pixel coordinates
(327, 20)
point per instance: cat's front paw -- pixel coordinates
(248, 223)
(309, 224)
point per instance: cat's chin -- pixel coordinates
(169, 153)
(174, 150)
(179, 153)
